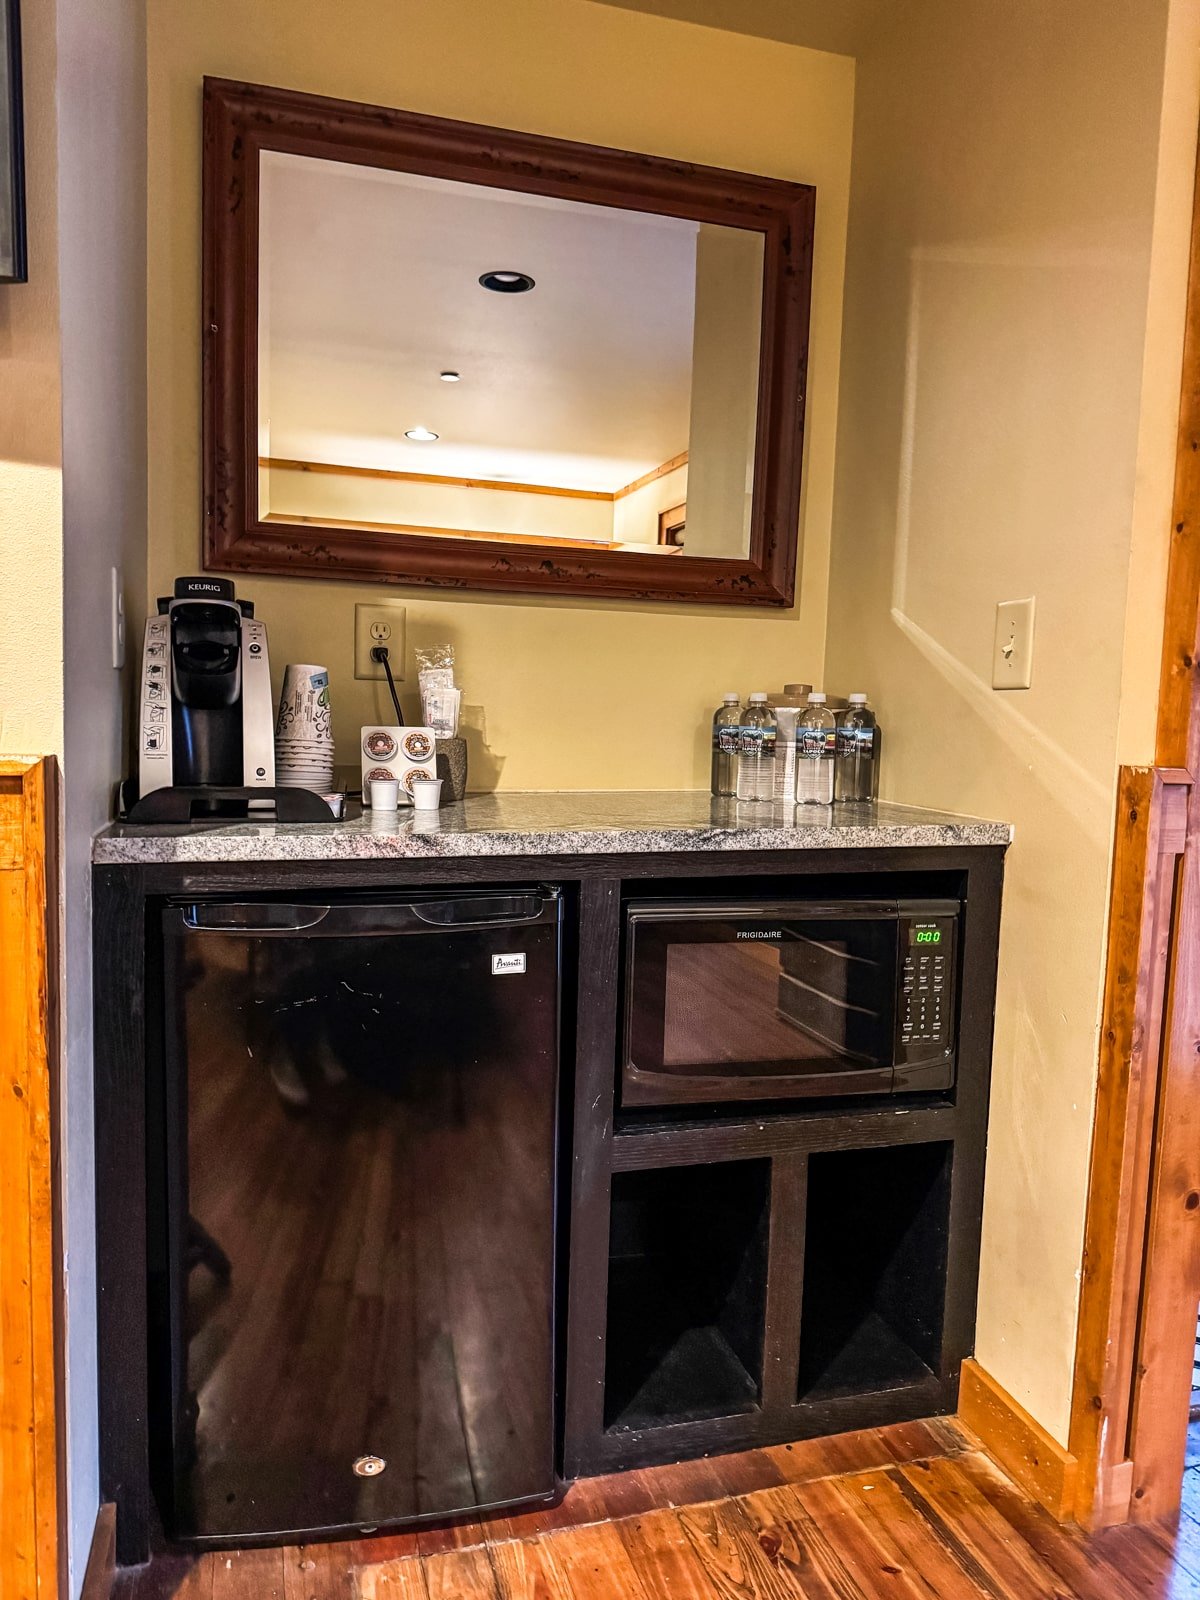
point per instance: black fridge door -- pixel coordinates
(356, 1290)
(754, 1001)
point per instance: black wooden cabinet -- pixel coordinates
(732, 1277)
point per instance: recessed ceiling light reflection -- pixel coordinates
(449, 377)
(420, 435)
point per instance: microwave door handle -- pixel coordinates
(649, 1086)
(764, 910)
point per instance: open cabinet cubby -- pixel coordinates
(686, 1293)
(876, 1239)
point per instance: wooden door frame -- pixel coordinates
(32, 1551)
(1141, 1264)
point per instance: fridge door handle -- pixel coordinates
(480, 911)
(264, 917)
(280, 918)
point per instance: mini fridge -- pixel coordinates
(352, 1266)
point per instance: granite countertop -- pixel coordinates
(553, 824)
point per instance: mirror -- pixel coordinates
(461, 361)
(446, 354)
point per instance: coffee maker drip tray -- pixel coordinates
(184, 803)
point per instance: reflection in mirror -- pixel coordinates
(448, 359)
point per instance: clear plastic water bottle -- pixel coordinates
(756, 751)
(856, 769)
(725, 728)
(815, 750)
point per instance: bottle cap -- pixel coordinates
(731, 699)
(758, 699)
(858, 699)
(816, 699)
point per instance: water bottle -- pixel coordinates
(815, 750)
(725, 728)
(856, 769)
(756, 751)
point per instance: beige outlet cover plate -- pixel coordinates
(378, 622)
(1012, 652)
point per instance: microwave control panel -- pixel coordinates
(926, 999)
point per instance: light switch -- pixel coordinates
(118, 619)
(1012, 655)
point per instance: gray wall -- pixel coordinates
(102, 272)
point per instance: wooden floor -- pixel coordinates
(914, 1512)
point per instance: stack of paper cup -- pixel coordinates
(303, 733)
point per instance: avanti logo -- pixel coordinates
(508, 963)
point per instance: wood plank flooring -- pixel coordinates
(913, 1512)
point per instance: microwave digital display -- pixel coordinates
(925, 936)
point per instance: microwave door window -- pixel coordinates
(818, 998)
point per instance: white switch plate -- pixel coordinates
(1012, 654)
(118, 619)
(378, 622)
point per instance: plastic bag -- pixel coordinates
(440, 699)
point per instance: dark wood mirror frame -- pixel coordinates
(241, 120)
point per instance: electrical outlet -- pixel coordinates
(375, 623)
(118, 620)
(1012, 653)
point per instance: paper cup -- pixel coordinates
(304, 704)
(427, 793)
(385, 794)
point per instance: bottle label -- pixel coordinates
(856, 741)
(815, 744)
(728, 740)
(756, 741)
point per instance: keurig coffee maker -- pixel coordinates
(206, 744)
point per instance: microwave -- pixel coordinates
(763, 1000)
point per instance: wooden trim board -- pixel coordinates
(673, 465)
(1170, 1282)
(390, 475)
(1166, 1334)
(1016, 1442)
(1149, 837)
(1178, 732)
(290, 517)
(1141, 1270)
(393, 475)
(31, 1562)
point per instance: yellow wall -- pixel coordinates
(1022, 184)
(998, 359)
(552, 677)
(725, 365)
(635, 516)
